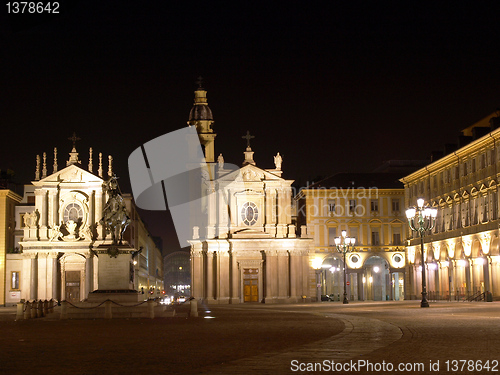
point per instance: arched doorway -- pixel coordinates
(332, 278)
(376, 280)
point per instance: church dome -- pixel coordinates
(200, 112)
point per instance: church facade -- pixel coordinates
(250, 251)
(59, 232)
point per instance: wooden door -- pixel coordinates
(72, 286)
(251, 285)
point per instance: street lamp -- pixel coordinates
(345, 245)
(422, 219)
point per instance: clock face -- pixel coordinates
(74, 212)
(249, 213)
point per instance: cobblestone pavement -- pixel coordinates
(362, 338)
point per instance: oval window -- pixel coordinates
(249, 213)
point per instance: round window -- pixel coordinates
(73, 212)
(397, 259)
(354, 259)
(249, 213)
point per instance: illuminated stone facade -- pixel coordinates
(58, 234)
(462, 251)
(369, 207)
(250, 252)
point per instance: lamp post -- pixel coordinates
(345, 245)
(421, 219)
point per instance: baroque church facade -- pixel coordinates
(251, 251)
(59, 232)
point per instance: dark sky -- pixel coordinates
(334, 86)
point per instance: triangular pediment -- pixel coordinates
(250, 172)
(73, 174)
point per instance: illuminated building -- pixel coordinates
(57, 226)
(462, 252)
(369, 207)
(250, 251)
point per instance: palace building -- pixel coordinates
(369, 208)
(58, 230)
(250, 251)
(461, 253)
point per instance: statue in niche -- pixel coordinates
(277, 161)
(115, 217)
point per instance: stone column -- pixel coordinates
(53, 208)
(489, 285)
(281, 229)
(210, 276)
(33, 276)
(283, 275)
(223, 272)
(52, 273)
(223, 213)
(197, 274)
(270, 226)
(295, 276)
(235, 279)
(41, 206)
(212, 211)
(271, 276)
(42, 276)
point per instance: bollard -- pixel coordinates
(194, 308)
(64, 310)
(27, 310)
(108, 313)
(45, 307)
(19, 311)
(151, 309)
(51, 306)
(33, 310)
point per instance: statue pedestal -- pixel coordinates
(115, 272)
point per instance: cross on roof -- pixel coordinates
(199, 81)
(74, 138)
(248, 137)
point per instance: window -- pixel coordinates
(249, 213)
(374, 205)
(353, 232)
(396, 239)
(73, 212)
(331, 207)
(14, 280)
(352, 205)
(332, 233)
(395, 205)
(375, 238)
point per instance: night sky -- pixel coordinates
(337, 86)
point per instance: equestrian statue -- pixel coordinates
(115, 217)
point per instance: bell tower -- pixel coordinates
(201, 117)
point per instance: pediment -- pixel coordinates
(250, 173)
(71, 173)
